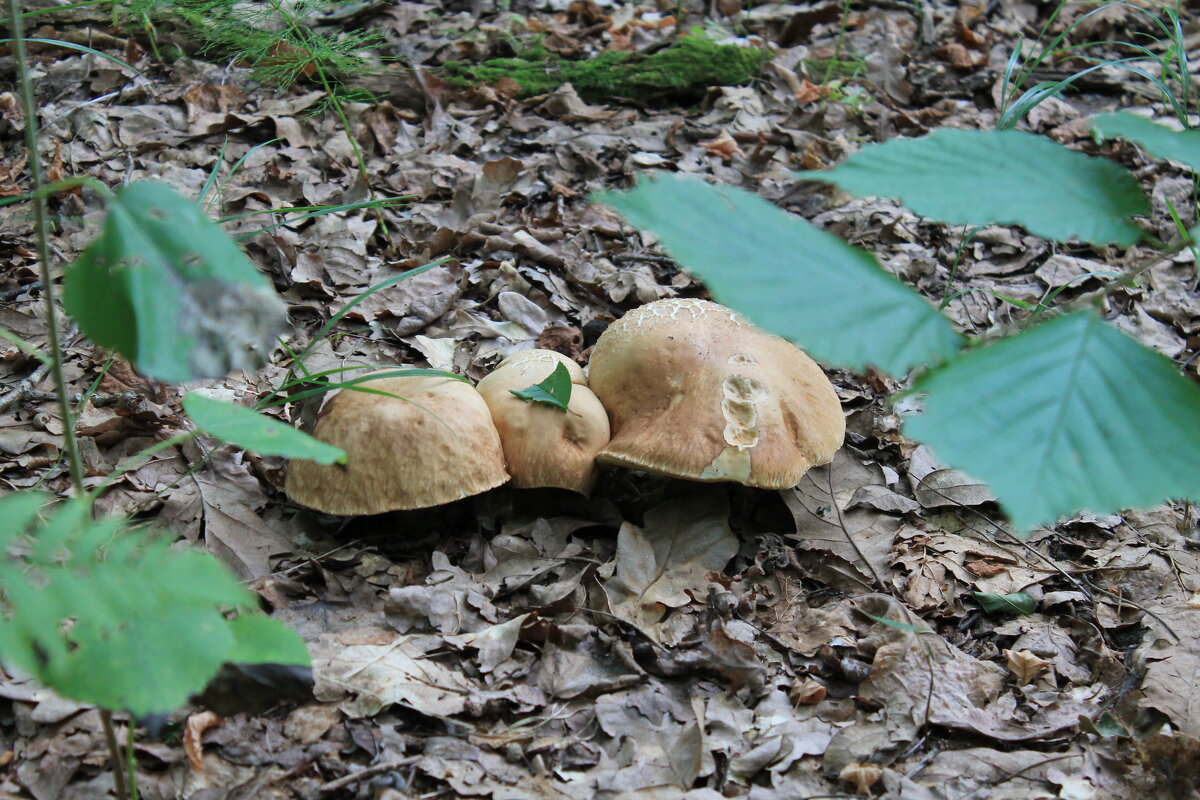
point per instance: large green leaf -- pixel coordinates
(1069, 415)
(109, 616)
(247, 428)
(258, 639)
(1159, 140)
(169, 290)
(788, 276)
(1010, 177)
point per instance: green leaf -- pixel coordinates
(247, 428)
(900, 626)
(554, 391)
(1071, 414)
(109, 616)
(1009, 177)
(1017, 603)
(169, 290)
(258, 639)
(788, 276)
(1161, 141)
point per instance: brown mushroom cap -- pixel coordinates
(546, 446)
(436, 445)
(694, 390)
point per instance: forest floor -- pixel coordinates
(518, 644)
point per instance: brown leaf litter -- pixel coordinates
(659, 639)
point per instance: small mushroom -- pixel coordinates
(694, 390)
(543, 445)
(436, 445)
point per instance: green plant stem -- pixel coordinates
(41, 227)
(131, 760)
(114, 750)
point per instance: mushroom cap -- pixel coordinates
(694, 390)
(436, 445)
(533, 366)
(546, 446)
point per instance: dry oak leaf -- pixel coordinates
(810, 92)
(724, 146)
(1025, 665)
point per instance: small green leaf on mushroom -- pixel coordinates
(554, 391)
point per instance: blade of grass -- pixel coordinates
(238, 164)
(82, 49)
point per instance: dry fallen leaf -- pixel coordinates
(724, 146)
(1025, 665)
(808, 692)
(863, 776)
(193, 735)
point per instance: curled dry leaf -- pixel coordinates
(193, 735)
(862, 776)
(808, 692)
(1024, 665)
(724, 146)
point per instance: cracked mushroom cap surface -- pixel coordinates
(694, 390)
(436, 445)
(543, 445)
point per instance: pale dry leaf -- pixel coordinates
(667, 562)
(862, 776)
(723, 146)
(366, 678)
(1024, 665)
(807, 692)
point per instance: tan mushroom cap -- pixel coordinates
(435, 446)
(694, 390)
(546, 446)
(533, 366)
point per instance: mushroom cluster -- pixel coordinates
(687, 388)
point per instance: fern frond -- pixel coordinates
(107, 615)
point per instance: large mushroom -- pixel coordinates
(543, 445)
(427, 441)
(694, 390)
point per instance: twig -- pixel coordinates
(11, 294)
(366, 772)
(625, 258)
(24, 388)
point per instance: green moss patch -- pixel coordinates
(683, 70)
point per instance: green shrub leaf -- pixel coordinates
(1017, 603)
(554, 391)
(1010, 177)
(1159, 140)
(109, 616)
(170, 291)
(788, 276)
(258, 639)
(247, 428)
(1071, 414)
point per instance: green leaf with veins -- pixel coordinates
(169, 290)
(257, 432)
(1070, 414)
(554, 391)
(1159, 140)
(1006, 177)
(788, 276)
